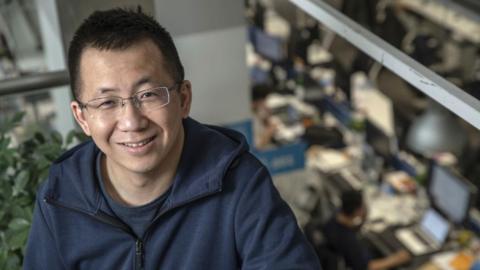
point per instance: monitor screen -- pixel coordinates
(435, 226)
(450, 193)
(287, 114)
(269, 46)
(259, 76)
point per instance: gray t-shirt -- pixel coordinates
(138, 218)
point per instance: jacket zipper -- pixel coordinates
(104, 218)
(139, 243)
(139, 254)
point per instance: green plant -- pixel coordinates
(23, 166)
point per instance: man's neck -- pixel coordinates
(134, 189)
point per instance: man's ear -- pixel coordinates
(79, 115)
(185, 94)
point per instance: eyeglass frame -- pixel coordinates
(137, 103)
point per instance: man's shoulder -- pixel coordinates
(211, 150)
(213, 136)
(85, 148)
(247, 162)
(72, 177)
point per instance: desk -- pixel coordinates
(451, 256)
(394, 209)
(429, 266)
(450, 261)
(387, 210)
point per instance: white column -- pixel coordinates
(211, 36)
(55, 60)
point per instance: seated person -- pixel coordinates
(341, 233)
(263, 128)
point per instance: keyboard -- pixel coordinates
(389, 239)
(378, 243)
(411, 241)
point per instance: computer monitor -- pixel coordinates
(270, 47)
(260, 76)
(435, 226)
(450, 193)
(287, 114)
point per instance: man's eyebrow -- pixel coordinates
(136, 85)
(104, 90)
(141, 82)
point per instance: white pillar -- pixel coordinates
(55, 60)
(211, 36)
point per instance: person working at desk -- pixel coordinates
(263, 127)
(342, 234)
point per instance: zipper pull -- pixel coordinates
(139, 255)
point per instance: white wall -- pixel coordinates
(215, 63)
(211, 36)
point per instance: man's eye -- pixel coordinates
(106, 104)
(148, 95)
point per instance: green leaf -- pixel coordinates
(13, 262)
(17, 238)
(39, 137)
(11, 123)
(73, 135)
(20, 182)
(7, 156)
(2, 214)
(17, 118)
(57, 137)
(25, 200)
(22, 212)
(70, 137)
(3, 257)
(17, 233)
(7, 189)
(18, 224)
(5, 142)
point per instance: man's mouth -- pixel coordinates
(138, 144)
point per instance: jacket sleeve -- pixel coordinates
(41, 251)
(266, 231)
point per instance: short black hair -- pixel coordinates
(118, 29)
(261, 91)
(352, 200)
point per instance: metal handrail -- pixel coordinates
(425, 80)
(34, 82)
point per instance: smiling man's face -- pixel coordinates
(132, 140)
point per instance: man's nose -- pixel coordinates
(130, 117)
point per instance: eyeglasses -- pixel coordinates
(144, 100)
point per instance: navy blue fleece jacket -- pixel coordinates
(223, 213)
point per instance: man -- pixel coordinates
(341, 234)
(154, 189)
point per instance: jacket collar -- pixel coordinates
(207, 154)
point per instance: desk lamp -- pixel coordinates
(436, 130)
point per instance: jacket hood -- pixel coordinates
(208, 152)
